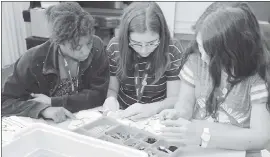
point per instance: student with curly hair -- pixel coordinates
(68, 73)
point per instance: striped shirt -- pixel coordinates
(237, 105)
(236, 109)
(152, 92)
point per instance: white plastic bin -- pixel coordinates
(41, 140)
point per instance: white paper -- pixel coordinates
(152, 124)
(83, 118)
(12, 126)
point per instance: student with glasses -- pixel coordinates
(144, 63)
(68, 73)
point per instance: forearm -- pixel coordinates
(114, 86)
(17, 101)
(166, 103)
(231, 137)
(186, 101)
(112, 93)
(91, 96)
(185, 108)
(22, 108)
(86, 99)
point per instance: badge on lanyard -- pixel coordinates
(140, 83)
(144, 83)
(69, 72)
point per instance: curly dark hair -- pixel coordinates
(69, 22)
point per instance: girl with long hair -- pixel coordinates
(144, 63)
(225, 85)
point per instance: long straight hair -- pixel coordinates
(140, 17)
(232, 39)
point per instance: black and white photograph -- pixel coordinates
(135, 78)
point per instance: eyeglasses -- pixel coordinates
(140, 46)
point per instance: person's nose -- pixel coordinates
(143, 49)
(85, 50)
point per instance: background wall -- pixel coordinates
(14, 31)
(168, 9)
(187, 14)
(180, 16)
(261, 10)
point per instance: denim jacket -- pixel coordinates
(37, 71)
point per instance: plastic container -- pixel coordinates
(41, 140)
(111, 130)
(152, 144)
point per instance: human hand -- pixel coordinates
(183, 131)
(111, 104)
(138, 111)
(41, 98)
(57, 114)
(171, 114)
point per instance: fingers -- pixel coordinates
(35, 95)
(111, 106)
(37, 100)
(114, 108)
(130, 111)
(186, 141)
(173, 115)
(172, 135)
(168, 114)
(61, 114)
(178, 141)
(69, 114)
(183, 121)
(59, 117)
(137, 117)
(170, 123)
(105, 106)
(162, 115)
(176, 123)
(174, 129)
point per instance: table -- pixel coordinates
(187, 152)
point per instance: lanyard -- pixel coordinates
(219, 98)
(140, 83)
(69, 73)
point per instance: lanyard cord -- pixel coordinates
(140, 83)
(68, 72)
